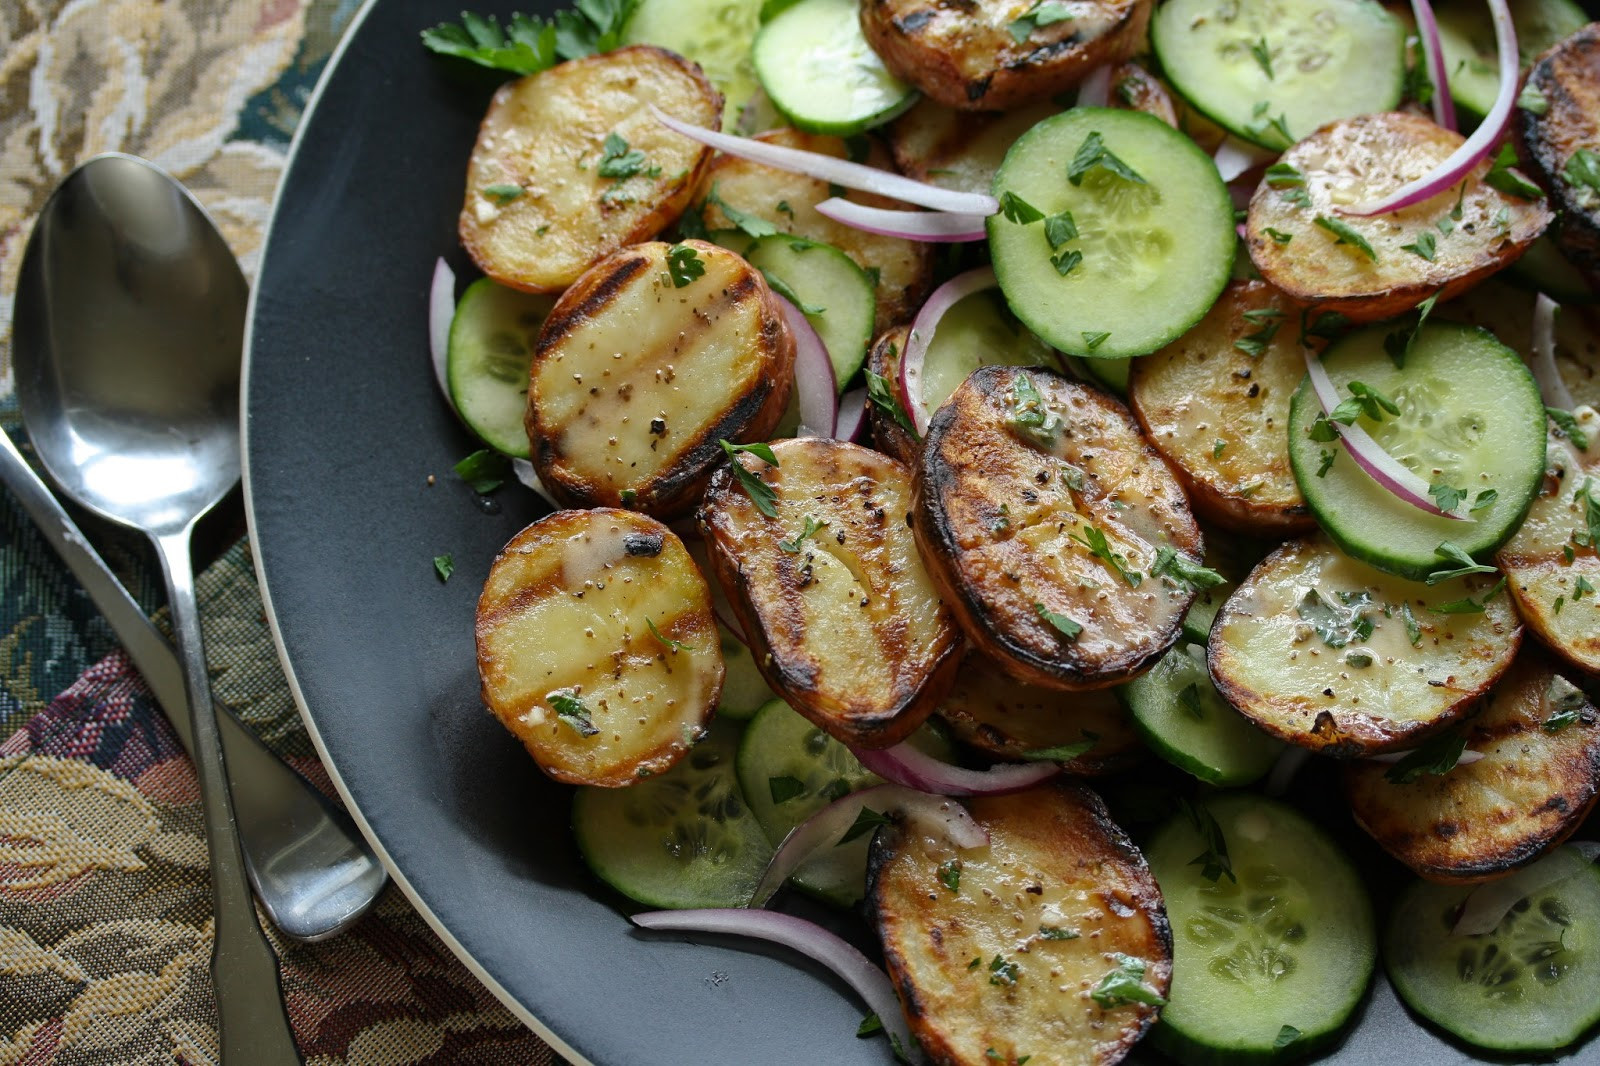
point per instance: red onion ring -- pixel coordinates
(905, 764)
(1095, 90)
(1489, 903)
(912, 359)
(852, 414)
(816, 387)
(939, 815)
(1450, 173)
(441, 312)
(1543, 363)
(927, 226)
(1368, 454)
(809, 939)
(1234, 157)
(1467, 757)
(830, 169)
(1444, 108)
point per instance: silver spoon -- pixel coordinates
(128, 344)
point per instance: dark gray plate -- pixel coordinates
(344, 429)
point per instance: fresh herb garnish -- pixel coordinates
(1413, 627)
(1066, 626)
(1398, 344)
(1566, 707)
(444, 565)
(1093, 153)
(531, 44)
(1029, 413)
(1213, 862)
(1278, 235)
(782, 288)
(1217, 447)
(1059, 229)
(683, 265)
(752, 225)
(1363, 400)
(672, 645)
(1263, 56)
(1100, 548)
(869, 1025)
(1417, 84)
(810, 529)
(1532, 100)
(1284, 176)
(785, 788)
(1253, 344)
(1581, 587)
(1042, 13)
(950, 874)
(1470, 605)
(617, 160)
(1286, 1036)
(1346, 234)
(1437, 756)
(1002, 972)
(1446, 497)
(1062, 752)
(1583, 168)
(1170, 564)
(1189, 700)
(1056, 932)
(1569, 427)
(1335, 625)
(1276, 130)
(1501, 176)
(1124, 985)
(883, 396)
(1425, 245)
(1454, 553)
(1016, 209)
(865, 822)
(1325, 463)
(571, 710)
(484, 470)
(1094, 339)
(759, 491)
(502, 193)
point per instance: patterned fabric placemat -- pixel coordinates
(105, 925)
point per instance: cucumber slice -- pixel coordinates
(486, 364)
(1156, 252)
(744, 690)
(717, 34)
(978, 331)
(1531, 985)
(1177, 710)
(1246, 64)
(789, 770)
(1290, 943)
(1112, 373)
(818, 69)
(1470, 417)
(1471, 61)
(684, 839)
(823, 277)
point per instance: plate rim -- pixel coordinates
(396, 875)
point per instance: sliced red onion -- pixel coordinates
(939, 815)
(905, 764)
(809, 939)
(1444, 108)
(1095, 90)
(852, 414)
(1242, 233)
(525, 474)
(1543, 364)
(1467, 757)
(1368, 454)
(912, 359)
(831, 169)
(948, 227)
(1489, 903)
(1454, 169)
(1289, 763)
(441, 311)
(1233, 157)
(815, 386)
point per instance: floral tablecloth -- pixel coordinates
(105, 927)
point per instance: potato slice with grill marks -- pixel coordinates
(636, 378)
(1057, 901)
(968, 55)
(1326, 652)
(1010, 519)
(843, 621)
(1527, 794)
(1568, 77)
(1011, 719)
(1350, 161)
(1553, 560)
(789, 201)
(597, 647)
(1215, 403)
(891, 436)
(546, 198)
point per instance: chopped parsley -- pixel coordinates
(1501, 176)
(752, 225)
(1284, 176)
(1100, 548)
(444, 565)
(1124, 985)
(785, 788)
(950, 874)
(1066, 626)
(1094, 154)
(869, 1025)
(1413, 627)
(1454, 553)
(882, 396)
(1217, 447)
(1066, 261)
(1581, 587)
(672, 645)
(1189, 700)
(1583, 168)
(1213, 861)
(810, 530)
(1003, 972)
(1016, 209)
(1042, 13)
(1266, 128)
(1253, 344)
(1437, 756)
(1446, 497)
(1486, 498)
(1425, 245)
(502, 193)
(1335, 625)
(1029, 413)
(526, 45)
(1093, 339)
(1286, 1036)
(571, 710)
(1398, 344)
(1263, 56)
(1363, 400)
(1059, 229)
(484, 470)
(1278, 235)
(1056, 932)
(617, 160)
(759, 491)
(1172, 565)
(1469, 605)
(1346, 234)
(1569, 427)
(683, 265)
(865, 822)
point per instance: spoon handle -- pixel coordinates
(310, 866)
(253, 1026)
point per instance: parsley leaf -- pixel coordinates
(1346, 234)
(1002, 972)
(753, 225)
(1583, 168)
(672, 645)
(1470, 605)
(1437, 756)
(1501, 176)
(865, 822)
(1325, 463)
(1094, 340)
(1447, 497)
(1029, 413)
(1213, 861)
(785, 788)
(882, 394)
(1591, 511)
(1452, 552)
(869, 1025)
(1100, 548)
(1093, 153)
(444, 565)
(1170, 564)
(1287, 1035)
(1253, 344)
(760, 493)
(1278, 235)
(1363, 400)
(617, 160)
(1425, 245)
(1532, 100)
(1056, 932)
(485, 470)
(1284, 176)
(811, 527)
(1413, 627)
(1059, 229)
(1335, 625)
(1263, 56)
(592, 26)
(950, 874)
(1568, 425)
(1398, 344)
(571, 710)
(684, 265)
(1066, 261)
(1124, 985)
(1486, 498)
(526, 46)
(1066, 626)
(1018, 210)
(1566, 702)
(502, 193)
(1042, 13)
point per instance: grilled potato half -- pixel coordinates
(841, 615)
(597, 647)
(789, 201)
(997, 953)
(893, 436)
(1568, 77)
(1087, 732)
(1540, 774)
(1215, 403)
(636, 377)
(1326, 652)
(1301, 240)
(1553, 560)
(1041, 512)
(570, 165)
(968, 55)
